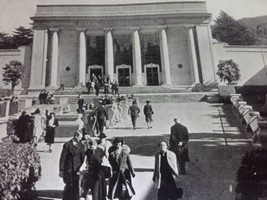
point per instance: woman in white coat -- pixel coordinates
(37, 126)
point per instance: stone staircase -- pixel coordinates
(130, 90)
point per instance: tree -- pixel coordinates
(22, 36)
(6, 41)
(13, 73)
(227, 29)
(228, 71)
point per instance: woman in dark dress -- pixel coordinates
(120, 185)
(52, 123)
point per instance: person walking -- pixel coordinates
(51, 125)
(148, 112)
(37, 126)
(71, 159)
(179, 144)
(120, 185)
(94, 178)
(134, 111)
(165, 172)
(80, 103)
(101, 116)
(22, 127)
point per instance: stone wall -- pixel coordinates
(250, 59)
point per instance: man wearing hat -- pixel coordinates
(148, 112)
(179, 144)
(134, 113)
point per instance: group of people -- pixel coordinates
(87, 165)
(32, 128)
(95, 83)
(45, 97)
(134, 112)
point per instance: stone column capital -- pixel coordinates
(162, 27)
(135, 28)
(108, 30)
(188, 27)
(54, 29)
(81, 29)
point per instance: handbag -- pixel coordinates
(106, 170)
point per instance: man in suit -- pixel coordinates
(179, 144)
(134, 113)
(71, 159)
(101, 116)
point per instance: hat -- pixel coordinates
(147, 101)
(102, 135)
(117, 140)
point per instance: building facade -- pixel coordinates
(137, 44)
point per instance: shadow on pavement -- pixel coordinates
(49, 194)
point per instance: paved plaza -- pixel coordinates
(214, 156)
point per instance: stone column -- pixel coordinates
(109, 57)
(45, 56)
(165, 56)
(192, 51)
(38, 60)
(137, 60)
(54, 63)
(82, 59)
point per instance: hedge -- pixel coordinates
(20, 168)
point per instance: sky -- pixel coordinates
(15, 13)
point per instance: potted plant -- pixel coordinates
(229, 74)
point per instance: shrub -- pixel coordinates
(228, 72)
(20, 168)
(252, 174)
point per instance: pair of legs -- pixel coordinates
(71, 189)
(149, 124)
(134, 122)
(49, 147)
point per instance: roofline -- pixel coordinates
(129, 16)
(119, 4)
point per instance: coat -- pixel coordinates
(101, 113)
(122, 172)
(22, 128)
(179, 133)
(71, 159)
(50, 132)
(148, 112)
(134, 111)
(171, 158)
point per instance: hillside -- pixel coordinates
(252, 24)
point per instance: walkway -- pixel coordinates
(215, 157)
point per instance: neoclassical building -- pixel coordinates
(138, 44)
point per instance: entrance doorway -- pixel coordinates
(97, 72)
(152, 76)
(124, 76)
